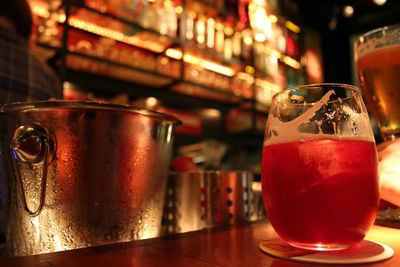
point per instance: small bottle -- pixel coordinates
(237, 44)
(190, 26)
(228, 49)
(210, 32)
(219, 37)
(247, 46)
(201, 30)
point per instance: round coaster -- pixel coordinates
(365, 252)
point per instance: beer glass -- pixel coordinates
(377, 58)
(319, 167)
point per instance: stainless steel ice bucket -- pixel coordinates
(79, 174)
(207, 199)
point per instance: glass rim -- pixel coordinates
(84, 105)
(369, 33)
(349, 87)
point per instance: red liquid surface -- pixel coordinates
(321, 194)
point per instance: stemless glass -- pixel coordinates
(377, 58)
(319, 168)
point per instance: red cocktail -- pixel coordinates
(321, 191)
(319, 169)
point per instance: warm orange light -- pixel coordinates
(221, 69)
(228, 51)
(237, 44)
(174, 53)
(291, 62)
(266, 90)
(278, 55)
(228, 31)
(275, 53)
(249, 69)
(245, 77)
(219, 26)
(178, 10)
(267, 84)
(248, 40)
(168, 4)
(260, 37)
(201, 30)
(273, 18)
(115, 35)
(291, 26)
(41, 11)
(210, 32)
(206, 64)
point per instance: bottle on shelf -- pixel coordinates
(230, 33)
(190, 26)
(237, 44)
(228, 41)
(219, 36)
(210, 32)
(200, 29)
(247, 47)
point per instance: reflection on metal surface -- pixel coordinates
(197, 200)
(105, 184)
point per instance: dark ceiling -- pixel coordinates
(328, 14)
(336, 30)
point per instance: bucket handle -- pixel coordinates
(33, 144)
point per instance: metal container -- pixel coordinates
(81, 174)
(207, 199)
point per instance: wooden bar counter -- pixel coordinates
(233, 246)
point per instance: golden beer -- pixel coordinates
(377, 56)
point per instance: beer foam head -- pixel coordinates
(376, 39)
(330, 117)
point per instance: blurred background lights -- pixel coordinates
(379, 2)
(348, 11)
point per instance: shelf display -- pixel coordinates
(224, 51)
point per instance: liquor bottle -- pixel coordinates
(210, 32)
(201, 30)
(247, 46)
(190, 26)
(170, 19)
(219, 37)
(228, 48)
(237, 44)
